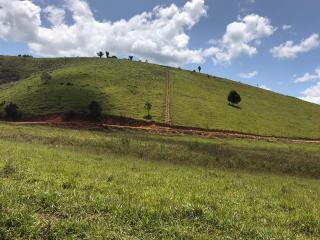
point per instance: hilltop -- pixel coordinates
(123, 87)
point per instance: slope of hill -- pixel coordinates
(122, 88)
(16, 68)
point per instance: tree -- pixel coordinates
(148, 107)
(95, 110)
(234, 97)
(12, 112)
(100, 54)
(107, 54)
(199, 68)
(45, 77)
(130, 58)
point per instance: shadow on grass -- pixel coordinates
(234, 106)
(55, 97)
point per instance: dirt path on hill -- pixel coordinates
(168, 119)
(116, 123)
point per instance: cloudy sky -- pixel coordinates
(271, 44)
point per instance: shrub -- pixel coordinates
(95, 110)
(12, 112)
(69, 115)
(148, 107)
(234, 97)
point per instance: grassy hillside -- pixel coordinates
(123, 87)
(16, 68)
(68, 184)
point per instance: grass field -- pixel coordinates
(122, 87)
(69, 184)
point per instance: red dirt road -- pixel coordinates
(116, 123)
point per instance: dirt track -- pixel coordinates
(115, 123)
(168, 119)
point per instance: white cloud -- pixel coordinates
(241, 38)
(19, 20)
(265, 87)
(309, 77)
(312, 94)
(290, 50)
(159, 36)
(286, 27)
(56, 16)
(248, 75)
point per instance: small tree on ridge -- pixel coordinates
(100, 54)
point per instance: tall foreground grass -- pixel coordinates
(68, 184)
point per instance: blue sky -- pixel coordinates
(232, 39)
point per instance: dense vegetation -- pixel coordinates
(123, 87)
(69, 184)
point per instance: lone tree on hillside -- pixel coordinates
(130, 58)
(107, 54)
(148, 107)
(12, 112)
(199, 68)
(100, 54)
(95, 110)
(45, 77)
(234, 98)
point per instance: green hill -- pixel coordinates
(122, 88)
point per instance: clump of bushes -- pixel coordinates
(234, 98)
(69, 115)
(25, 56)
(12, 112)
(95, 111)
